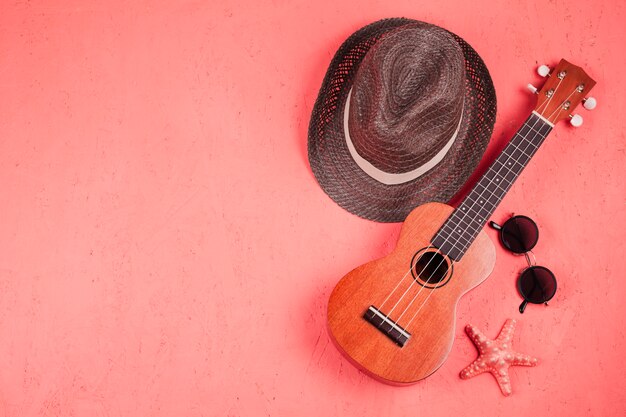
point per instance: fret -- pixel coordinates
(518, 154)
(485, 193)
(510, 165)
(462, 227)
(492, 187)
(451, 247)
(509, 174)
(467, 233)
(463, 223)
(475, 213)
(460, 235)
(536, 131)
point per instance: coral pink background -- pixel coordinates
(166, 251)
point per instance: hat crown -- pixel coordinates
(407, 97)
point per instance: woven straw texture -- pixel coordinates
(407, 97)
(353, 189)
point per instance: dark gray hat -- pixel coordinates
(404, 115)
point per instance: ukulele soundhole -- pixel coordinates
(431, 269)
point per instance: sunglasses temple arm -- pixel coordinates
(522, 306)
(495, 225)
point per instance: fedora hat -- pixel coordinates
(404, 115)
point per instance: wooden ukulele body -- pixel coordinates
(432, 329)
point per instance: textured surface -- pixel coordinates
(165, 249)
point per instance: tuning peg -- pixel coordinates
(576, 120)
(543, 70)
(532, 88)
(590, 103)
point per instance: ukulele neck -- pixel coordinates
(464, 224)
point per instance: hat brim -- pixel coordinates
(347, 184)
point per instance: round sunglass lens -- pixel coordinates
(537, 284)
(519, 234)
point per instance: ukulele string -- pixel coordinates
(466, 245)
(431, 246)
(464, 248)
(427, 281)
(547, 102)
(400, 282)
(454, 244)
(413, 281)
(560, 108)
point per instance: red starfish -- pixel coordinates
(496, 356)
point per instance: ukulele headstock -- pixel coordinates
(567, 85)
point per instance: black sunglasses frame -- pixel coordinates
(529, 274)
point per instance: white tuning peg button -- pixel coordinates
(590, 103)
(576, 120)
(532, 88)
(543, 70)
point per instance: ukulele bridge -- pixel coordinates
(388, 327)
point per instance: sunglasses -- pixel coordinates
(536, 284)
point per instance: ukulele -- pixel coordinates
(394, 317)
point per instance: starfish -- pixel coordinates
(496, 356)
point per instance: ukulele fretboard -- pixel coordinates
(464, 224)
